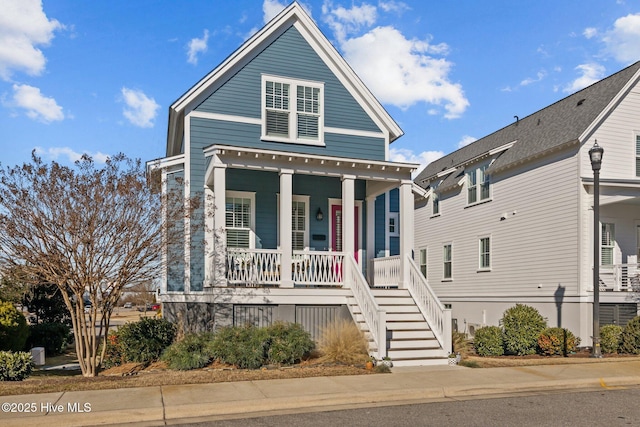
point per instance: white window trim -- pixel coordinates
(251, 195)
(444, 278)
(426, 261)
(478, 186)
(293, 114)
(395, 216)
(296, 198)
(480, 267)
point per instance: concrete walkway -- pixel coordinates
(165, 405)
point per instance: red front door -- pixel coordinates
(336, 232)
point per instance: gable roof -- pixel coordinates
(293, 14)
(554, 127)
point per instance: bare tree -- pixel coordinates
(89, 230)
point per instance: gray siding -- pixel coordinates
(175, 252)
(205, 132)
(288, 56)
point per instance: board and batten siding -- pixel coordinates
(535, 245)
(617, 135)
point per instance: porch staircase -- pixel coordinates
(410, 341)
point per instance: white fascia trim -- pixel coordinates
(446, 172)
(605, 112)
(502, 148)
(225, 117)
(165, 162)
(421, 192)
(624, 183)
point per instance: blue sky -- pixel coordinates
(98, 76)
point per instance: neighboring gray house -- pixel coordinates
(290, 152)
(508, 219)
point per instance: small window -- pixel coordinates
(435, 200)
(394, 226)
(298, 225)
(485, 253)
(608, 243)
(292, 110)
(423, 262)
(447, 257)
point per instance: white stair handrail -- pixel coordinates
(374, 316)
(438, 317)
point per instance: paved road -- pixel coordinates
(609, 408)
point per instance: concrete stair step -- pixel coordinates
(434, 361)
(407, 325)
(416, 353)
(401, 334)
(413, 344)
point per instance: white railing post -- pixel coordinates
(386, 271)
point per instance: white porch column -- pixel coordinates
(406, 230)
(218, 224)
(286, 196)
(371, 236)
(348, 214)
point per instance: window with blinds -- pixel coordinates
(485, 253)
(423, 262)
(238, 222)
(447, 257)
(292, 110)
(298, 225)
(638, 155)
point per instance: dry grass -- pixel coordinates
(537, 360)
(343, 342)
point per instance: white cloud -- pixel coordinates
(196, 46)
(344, 22)
(54, 153)
(623, 41)
(23, 27)
(405, 155)
(590, 32)
(139, 109)
(38, 106)
(270, 8)
(402, 72)
(529, 80)
(466, 140)
(590, 73)
(393, 6)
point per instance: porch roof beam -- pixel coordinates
(300, 163)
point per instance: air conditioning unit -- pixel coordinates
(472, 328)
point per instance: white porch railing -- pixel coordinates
(437, 316)
(374, 316)
(311, 268)
(620, 277)
(386, 271)
(253, 267)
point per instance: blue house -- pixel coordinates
(305, 217)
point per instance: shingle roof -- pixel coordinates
(552, 127)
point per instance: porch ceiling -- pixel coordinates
(309, 164)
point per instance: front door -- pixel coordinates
(336, 232)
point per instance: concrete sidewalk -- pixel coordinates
(162, 405)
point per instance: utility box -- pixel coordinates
(37, 354)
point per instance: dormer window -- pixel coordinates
(478, 188)
(292, 110)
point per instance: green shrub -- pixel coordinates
(288, 343)
(14, 330)
(522, 325)
(54, 337)
(193, 351)
(610, 336)
(15, 366)
(142, 342)
(488, 341)
(557, 341)
(630, 337)
(243, 346)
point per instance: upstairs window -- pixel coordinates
(477, 185)
(292, 111)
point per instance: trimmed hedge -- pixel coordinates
(488, 341)
(194, 351)
(54, 337)
(630, 337)
(142, 342)
(522, 326)
(15, 366)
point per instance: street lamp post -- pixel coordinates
(595, 155)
